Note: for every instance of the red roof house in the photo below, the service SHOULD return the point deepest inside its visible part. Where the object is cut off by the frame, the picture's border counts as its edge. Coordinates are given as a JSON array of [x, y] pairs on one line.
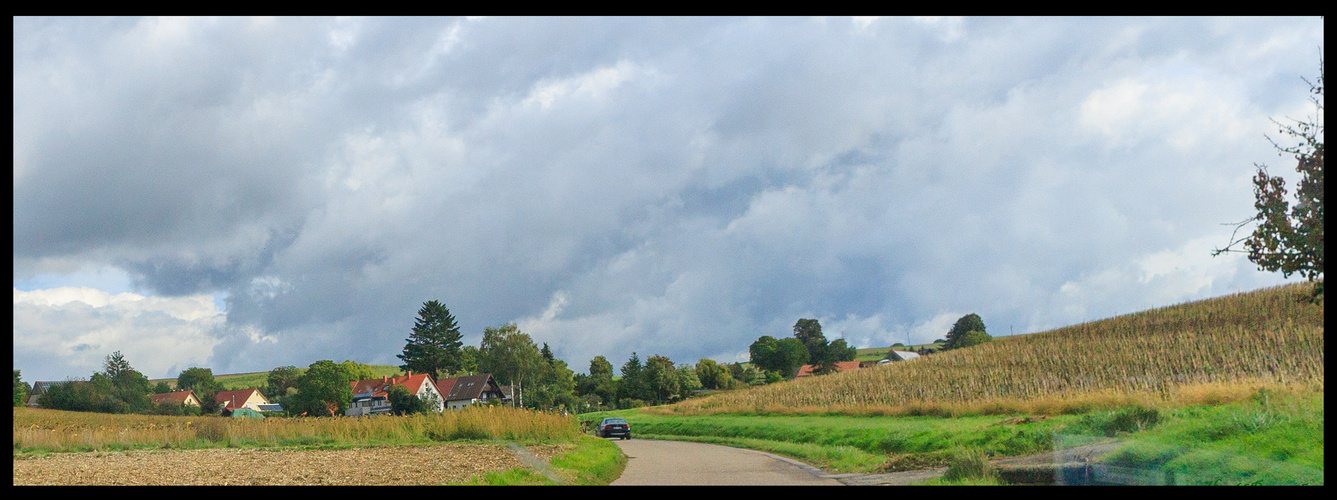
[[179, 397], [241, 398]]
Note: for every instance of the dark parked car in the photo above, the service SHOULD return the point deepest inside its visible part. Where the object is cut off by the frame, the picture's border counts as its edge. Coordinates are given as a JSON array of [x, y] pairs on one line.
[[612, 426]]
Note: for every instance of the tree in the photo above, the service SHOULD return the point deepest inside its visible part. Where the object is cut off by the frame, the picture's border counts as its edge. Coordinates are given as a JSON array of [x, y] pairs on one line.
[[1290, 238], [661, 377], [633, 384], [713, 375], [601, 377], [21, 389], [129, 390], [468, 360], [162, 387], [115, 364], [509, 355], [403, 402], [281, 384], [201, 380], [323, 390], [764, 352], [962, 326], [687, 381], [973, 338], [791, 355], [359, 371], [434, 346]]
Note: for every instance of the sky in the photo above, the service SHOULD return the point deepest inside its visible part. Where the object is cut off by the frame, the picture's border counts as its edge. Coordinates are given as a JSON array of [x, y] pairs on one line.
[[246, 193]]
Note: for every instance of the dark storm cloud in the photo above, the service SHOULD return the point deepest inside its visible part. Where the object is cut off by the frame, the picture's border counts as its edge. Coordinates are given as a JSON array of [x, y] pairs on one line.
[[674, 186]]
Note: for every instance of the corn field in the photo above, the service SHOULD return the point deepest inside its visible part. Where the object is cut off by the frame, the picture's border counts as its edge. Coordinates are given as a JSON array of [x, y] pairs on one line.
[[36, 429], [1201, 349]]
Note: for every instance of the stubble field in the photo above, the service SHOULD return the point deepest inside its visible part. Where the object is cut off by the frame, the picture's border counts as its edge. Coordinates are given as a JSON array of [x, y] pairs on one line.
[[397, 465]]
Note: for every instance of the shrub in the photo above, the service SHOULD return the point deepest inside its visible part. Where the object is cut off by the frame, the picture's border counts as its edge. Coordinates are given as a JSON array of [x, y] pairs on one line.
[[969, 464]]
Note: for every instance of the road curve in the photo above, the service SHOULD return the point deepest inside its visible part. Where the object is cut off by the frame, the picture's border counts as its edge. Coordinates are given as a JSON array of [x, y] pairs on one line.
[[652, 462]]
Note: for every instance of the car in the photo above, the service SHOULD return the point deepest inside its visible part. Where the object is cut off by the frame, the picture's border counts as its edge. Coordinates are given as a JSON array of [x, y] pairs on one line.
[[613, 426]]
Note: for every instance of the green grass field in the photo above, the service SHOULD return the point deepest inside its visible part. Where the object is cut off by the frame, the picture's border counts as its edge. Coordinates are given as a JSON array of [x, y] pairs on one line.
[[255, 380]]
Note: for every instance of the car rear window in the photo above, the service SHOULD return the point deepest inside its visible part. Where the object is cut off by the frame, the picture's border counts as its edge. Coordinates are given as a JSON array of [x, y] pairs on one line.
[[614, 421]]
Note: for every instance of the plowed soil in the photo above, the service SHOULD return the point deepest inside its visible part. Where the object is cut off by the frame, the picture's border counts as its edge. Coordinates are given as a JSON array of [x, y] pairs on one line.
[[403, 465]]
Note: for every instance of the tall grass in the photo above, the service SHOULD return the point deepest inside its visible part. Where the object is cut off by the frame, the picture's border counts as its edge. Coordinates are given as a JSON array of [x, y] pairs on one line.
[[1223, 348], [50, 430]]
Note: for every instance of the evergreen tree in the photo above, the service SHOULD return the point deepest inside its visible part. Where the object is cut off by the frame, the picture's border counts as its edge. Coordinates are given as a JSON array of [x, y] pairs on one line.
[[434, 347]]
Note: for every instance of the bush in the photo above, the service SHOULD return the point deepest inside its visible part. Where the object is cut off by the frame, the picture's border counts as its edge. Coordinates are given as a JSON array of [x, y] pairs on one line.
[[969, 464]]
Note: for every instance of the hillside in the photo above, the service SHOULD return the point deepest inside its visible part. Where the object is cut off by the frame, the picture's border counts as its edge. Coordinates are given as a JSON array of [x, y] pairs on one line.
[[232, 381], [1194, 350]]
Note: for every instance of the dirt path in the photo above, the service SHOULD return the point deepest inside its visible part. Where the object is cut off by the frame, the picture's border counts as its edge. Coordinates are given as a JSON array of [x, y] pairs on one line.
[[652, 462]]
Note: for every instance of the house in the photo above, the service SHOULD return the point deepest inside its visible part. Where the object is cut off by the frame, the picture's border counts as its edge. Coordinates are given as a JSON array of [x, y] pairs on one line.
[[39, 388], [180, 397], [508, 393], [841, 366], [471, 389], [241, 398], [372, 396], [899, 356]]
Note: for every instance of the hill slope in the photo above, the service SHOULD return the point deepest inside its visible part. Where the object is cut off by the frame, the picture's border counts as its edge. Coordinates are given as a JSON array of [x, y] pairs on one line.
[[1269, 336]]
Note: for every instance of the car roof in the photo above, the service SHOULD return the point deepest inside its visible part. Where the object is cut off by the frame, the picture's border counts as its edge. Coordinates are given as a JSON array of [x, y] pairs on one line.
[[614, 419]]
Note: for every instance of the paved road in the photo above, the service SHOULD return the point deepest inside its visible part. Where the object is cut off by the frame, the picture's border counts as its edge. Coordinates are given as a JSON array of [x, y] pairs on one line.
[[653, 462]]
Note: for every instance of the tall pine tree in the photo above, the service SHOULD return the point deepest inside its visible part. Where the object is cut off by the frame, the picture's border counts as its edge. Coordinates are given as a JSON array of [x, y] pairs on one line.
[[435, 345]]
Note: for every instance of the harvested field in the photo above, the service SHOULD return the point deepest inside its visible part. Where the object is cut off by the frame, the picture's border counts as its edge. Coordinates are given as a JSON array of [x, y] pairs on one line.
[[401, 465]]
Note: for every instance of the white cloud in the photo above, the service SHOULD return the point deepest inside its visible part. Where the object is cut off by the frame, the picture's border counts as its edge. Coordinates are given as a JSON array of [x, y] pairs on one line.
[[67, 332]]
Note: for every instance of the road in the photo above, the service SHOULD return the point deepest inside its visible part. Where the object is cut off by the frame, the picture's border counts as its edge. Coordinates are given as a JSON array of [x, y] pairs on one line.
[[682, 463]]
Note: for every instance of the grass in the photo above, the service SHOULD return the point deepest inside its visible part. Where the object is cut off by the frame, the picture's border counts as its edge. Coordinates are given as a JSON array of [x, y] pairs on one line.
[[839, 443], [255, 380], [593, 462], [50, 431], [1276, 437]]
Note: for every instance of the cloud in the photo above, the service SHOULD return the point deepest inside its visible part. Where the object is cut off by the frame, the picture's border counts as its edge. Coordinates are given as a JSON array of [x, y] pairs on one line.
[[67, 332], [674, 186]]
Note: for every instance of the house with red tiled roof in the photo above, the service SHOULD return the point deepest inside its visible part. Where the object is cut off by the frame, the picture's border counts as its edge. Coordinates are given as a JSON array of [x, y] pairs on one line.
[[371, 396], [178, 397], [241, 398], [470, 389], [841, 366]]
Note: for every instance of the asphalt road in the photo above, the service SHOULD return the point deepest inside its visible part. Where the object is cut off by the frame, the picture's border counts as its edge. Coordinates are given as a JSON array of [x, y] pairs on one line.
[[682, 463]]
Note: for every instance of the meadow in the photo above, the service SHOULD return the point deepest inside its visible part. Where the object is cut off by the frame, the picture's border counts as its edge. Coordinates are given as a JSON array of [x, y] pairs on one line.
[[37, 430]]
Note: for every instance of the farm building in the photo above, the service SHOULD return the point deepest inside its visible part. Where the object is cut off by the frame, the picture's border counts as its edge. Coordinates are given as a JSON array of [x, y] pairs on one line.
[[841, 366], [898, 356], [464, 391], [39, 388], [241, 398], [371, 396], [180, 397]]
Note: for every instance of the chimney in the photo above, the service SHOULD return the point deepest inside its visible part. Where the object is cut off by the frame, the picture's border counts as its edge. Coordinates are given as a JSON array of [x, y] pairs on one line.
[[384, 379], [410, 373]]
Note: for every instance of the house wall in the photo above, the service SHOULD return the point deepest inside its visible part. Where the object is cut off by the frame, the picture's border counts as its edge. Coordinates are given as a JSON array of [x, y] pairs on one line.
[[429, 390]]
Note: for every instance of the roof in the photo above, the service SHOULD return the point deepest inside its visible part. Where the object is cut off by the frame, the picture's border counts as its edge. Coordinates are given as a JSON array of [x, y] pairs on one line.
[[175, 397], [902, 355], [841, 366], [234, 399], [468, 387], [380, 387]]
